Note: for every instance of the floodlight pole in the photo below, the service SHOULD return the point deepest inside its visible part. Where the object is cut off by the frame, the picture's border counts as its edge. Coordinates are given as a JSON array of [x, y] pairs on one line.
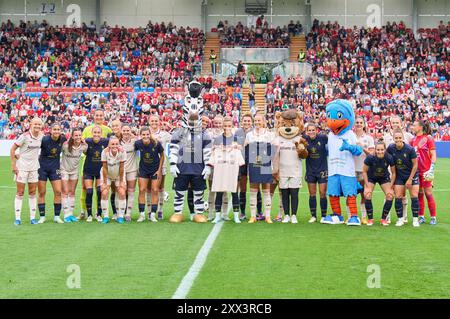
[[97, 14], [308, 15], [415, 17]]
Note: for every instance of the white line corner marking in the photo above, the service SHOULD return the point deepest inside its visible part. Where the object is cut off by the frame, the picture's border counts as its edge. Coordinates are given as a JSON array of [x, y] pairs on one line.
[[188, 280]]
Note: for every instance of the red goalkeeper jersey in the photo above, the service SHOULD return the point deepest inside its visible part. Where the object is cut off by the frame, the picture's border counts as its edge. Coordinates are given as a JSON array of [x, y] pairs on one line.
[[423, 145]]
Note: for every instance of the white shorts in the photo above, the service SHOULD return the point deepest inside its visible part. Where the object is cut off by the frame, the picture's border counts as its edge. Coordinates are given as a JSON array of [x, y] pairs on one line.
[[131, 176], [26, 177], [290, 182], [69, 176]]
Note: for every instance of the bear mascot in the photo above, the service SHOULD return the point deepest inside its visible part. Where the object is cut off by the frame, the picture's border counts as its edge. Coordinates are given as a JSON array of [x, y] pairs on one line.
[[287, 168]]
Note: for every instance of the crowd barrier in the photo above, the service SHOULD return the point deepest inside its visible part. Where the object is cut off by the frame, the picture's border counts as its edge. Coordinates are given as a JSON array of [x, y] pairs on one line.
[[442, 148]]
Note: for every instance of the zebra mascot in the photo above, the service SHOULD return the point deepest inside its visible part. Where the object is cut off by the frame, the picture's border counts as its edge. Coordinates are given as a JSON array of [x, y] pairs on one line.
[[190, 150]]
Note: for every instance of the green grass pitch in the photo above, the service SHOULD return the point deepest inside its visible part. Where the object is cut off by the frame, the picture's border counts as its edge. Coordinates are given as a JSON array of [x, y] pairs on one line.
[[247, 261]]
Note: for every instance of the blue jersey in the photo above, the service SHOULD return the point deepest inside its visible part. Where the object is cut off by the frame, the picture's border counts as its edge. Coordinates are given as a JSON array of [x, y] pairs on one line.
[[93, 162], [379, 167], [150, 156], [49, 159], [402, 159], [316, 162], [190, 153]]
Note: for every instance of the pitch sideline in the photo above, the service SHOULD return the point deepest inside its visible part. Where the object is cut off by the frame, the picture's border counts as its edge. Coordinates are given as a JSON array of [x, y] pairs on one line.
[[188, 280]]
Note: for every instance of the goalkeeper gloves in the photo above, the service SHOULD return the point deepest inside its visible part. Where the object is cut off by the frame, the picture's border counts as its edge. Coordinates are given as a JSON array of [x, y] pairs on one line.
[[429, 175]]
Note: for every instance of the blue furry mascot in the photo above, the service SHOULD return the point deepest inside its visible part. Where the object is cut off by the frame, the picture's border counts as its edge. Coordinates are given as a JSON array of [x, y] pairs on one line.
[[190, 149], [341, 166]]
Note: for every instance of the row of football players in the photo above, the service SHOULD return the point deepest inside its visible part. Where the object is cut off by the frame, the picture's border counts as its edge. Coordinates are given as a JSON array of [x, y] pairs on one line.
[[400, 162], [110, 164], [39, 160]]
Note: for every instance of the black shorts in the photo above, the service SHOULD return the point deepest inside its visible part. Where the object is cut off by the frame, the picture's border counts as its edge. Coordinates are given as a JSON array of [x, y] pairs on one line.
[[49, 174], [321, 177], [184, 182], [379, 180], [399, 180], [91, 177], [148, 175]]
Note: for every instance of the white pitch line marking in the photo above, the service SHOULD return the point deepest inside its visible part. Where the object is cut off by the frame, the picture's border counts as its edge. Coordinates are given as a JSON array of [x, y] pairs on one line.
[[188, 280]]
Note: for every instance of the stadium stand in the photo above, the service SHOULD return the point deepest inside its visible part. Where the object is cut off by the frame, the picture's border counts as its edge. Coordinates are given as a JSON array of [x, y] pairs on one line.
[[62, 74]]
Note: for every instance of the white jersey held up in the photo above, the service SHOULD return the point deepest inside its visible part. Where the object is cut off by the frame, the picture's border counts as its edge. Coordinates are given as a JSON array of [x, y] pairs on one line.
[[226, 162]]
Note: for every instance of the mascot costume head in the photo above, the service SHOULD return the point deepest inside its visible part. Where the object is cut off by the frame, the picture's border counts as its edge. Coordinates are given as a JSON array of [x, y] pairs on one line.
[[342, 149], [340, 116], [193, 107], [190, 150], [289, 125]]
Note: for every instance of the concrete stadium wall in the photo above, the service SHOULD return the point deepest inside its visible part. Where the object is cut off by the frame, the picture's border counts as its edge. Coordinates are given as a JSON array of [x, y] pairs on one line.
[[234, 11], [127, 13], [54, 11], [139, 12], [363, 12], [189, 12], [432, 11]]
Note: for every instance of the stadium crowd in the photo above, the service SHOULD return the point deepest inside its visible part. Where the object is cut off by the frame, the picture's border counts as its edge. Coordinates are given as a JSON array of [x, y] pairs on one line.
[[132, 73], [383, 72], [259, 35]]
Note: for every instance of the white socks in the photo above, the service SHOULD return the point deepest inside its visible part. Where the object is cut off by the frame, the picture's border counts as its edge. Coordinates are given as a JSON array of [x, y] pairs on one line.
[[104, 203], [121, 207], [211, 204], [65, 205], [18, 206], [32, 201], [130, 202], [405, 207], [71, 204], [160, 200], [253, 200]]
